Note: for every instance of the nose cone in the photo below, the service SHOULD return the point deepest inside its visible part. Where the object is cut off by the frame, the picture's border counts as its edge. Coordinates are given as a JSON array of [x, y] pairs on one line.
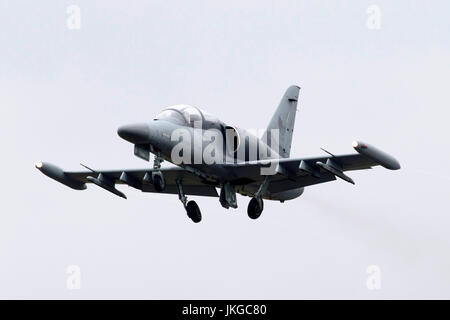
[[135, 133]]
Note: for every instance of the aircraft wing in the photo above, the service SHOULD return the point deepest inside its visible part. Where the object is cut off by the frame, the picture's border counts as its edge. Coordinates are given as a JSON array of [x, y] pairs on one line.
[[289, 173], [284, 174], [107, 179]]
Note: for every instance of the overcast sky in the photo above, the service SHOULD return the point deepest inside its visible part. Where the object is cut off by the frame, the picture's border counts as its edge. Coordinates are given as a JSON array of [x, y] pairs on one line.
[[64, 92]]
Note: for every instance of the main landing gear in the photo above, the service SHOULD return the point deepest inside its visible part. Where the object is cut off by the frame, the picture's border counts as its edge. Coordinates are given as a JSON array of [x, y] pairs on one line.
[[192, 209], [255, 208], [256, 205]]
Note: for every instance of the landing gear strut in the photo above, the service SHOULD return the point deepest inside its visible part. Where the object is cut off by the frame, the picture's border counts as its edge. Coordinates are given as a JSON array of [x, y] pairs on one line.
[[192, 209], [157, 177]]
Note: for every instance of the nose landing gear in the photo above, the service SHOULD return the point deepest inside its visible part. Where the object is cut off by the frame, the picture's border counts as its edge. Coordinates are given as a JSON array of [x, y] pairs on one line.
[[158, 181], [192, 209], [157, 177]]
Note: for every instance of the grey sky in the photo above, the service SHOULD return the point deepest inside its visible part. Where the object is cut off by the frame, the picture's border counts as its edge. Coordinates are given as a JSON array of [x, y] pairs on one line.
[[64, 93]]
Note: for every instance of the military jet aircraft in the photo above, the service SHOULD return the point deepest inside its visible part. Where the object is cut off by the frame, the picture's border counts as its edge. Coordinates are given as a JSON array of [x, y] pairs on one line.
[[244, 163]]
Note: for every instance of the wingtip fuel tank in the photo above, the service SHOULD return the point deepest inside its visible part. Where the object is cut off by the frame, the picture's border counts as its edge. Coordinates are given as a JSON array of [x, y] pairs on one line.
[[380, 157], [56, 173]]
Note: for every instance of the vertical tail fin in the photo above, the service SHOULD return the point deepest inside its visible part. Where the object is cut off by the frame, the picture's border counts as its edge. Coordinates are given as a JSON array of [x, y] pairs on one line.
[[283, 120]]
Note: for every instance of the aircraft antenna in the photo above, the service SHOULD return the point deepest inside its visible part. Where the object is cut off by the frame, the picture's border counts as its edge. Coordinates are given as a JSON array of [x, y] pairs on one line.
[[328, 152], [88, 168]]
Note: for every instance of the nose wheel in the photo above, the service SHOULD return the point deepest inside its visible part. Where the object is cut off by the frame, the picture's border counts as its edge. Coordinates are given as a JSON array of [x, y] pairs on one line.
[[192, 209], [158, 182], [255, 208]]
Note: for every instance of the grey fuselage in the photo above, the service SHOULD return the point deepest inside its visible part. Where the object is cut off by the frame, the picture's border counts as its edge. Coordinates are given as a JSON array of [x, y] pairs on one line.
[[161, 136]]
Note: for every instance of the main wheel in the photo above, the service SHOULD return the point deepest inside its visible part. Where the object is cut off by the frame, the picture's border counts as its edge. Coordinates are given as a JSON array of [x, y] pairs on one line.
[[255, 208], [158, 183], [193, 211]]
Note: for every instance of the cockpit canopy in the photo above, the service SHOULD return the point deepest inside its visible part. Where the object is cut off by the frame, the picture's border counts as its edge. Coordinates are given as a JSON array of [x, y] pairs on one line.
[[189, 116]]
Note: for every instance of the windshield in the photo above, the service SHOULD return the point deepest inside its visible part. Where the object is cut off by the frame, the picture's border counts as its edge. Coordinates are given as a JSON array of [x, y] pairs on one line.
[[189, 116], [171, 115], [182, 114]]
